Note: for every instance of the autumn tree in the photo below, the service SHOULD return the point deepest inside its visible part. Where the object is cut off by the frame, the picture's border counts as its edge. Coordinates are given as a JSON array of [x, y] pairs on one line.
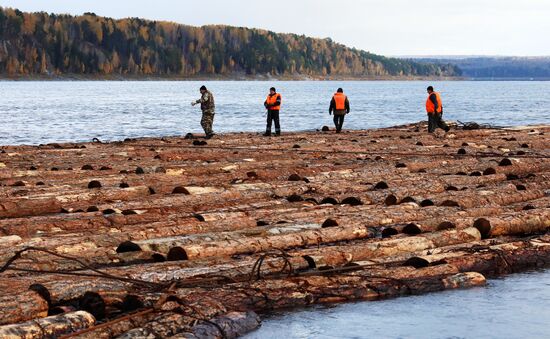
[[41, 43]]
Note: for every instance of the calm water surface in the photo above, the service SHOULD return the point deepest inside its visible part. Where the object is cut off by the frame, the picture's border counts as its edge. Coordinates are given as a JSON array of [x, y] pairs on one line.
[[41, 112], [517, 306]]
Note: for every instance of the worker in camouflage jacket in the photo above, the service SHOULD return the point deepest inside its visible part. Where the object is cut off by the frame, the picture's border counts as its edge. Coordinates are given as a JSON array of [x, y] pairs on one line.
[[208, 110]]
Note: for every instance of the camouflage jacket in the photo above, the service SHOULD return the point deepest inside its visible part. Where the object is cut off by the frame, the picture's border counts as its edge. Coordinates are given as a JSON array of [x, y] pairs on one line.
[[207, 101]]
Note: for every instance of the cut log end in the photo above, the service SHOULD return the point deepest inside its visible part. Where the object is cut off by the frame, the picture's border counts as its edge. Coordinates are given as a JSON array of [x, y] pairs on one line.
[[505, 162], [490, 171], [412, 229], [42, 291], [180, 190], [382, 185], [310, 261], [329, 200], [388, 232], [199, 217], [128, 246], [446, 225], [353, 201], [176, 254], [295, 198], [417, 262], [390, 200], [157, 257], [131, 303], [94, 304], [94, 184], [407, 200], [426, 203], [294, 177], [329, 223], [484, 227]]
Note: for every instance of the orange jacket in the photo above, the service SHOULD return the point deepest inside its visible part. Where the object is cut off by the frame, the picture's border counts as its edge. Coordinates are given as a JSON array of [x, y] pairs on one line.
[[430, 107], [272, 100], [340, 101]]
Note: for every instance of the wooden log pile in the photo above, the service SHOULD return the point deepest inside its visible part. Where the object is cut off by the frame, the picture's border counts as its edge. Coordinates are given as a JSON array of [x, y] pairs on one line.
[[163, 238]]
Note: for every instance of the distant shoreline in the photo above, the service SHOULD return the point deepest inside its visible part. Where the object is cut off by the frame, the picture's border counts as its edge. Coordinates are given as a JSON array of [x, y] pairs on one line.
[[79, 77]]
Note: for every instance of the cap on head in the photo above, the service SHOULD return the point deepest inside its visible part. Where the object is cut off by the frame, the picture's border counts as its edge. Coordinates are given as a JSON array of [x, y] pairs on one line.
[[203, 88], [340, 90], [430, 88], [273, 89]]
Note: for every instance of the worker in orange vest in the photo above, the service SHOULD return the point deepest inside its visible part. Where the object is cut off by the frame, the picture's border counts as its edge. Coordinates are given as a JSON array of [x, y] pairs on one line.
[[434, 107], [273, 105], [339, 105]]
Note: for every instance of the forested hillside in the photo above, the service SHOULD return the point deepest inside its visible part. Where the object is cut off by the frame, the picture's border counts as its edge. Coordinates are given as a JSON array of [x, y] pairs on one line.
[[55, 45], [499, 67]]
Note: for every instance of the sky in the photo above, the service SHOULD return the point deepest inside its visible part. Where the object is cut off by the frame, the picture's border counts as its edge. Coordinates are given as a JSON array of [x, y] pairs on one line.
[[387, 27]]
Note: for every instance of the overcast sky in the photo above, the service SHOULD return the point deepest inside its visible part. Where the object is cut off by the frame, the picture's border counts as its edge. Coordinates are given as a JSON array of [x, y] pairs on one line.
[[389, 27]]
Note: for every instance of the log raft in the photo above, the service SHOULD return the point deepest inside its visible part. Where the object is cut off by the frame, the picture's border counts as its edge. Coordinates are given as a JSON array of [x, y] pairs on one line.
[[173, 238]]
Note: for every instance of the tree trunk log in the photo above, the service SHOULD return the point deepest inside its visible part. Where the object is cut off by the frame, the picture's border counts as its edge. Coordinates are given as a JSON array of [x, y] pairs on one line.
[[233, 325], [528, 222], [22, 307], [49, 327]]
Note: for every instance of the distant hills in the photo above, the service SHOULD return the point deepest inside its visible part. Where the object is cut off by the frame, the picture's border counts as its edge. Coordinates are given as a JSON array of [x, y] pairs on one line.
[[499, 68], [50, 45]]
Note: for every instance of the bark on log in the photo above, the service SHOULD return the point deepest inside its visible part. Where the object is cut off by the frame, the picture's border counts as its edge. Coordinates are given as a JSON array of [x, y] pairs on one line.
[[505, 258], [22, 307], [527, 222], [49, 327], [259, 244], [12, 208], [233, 325], [339, 255], [161, 323], [163, 245]]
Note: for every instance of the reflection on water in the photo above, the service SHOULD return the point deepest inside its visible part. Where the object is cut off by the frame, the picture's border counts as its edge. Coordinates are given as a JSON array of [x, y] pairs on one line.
[[517, 306], [41, 112]]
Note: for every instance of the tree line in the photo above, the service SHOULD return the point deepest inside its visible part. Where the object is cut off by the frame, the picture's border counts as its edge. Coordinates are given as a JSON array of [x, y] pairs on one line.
[[50, 44]]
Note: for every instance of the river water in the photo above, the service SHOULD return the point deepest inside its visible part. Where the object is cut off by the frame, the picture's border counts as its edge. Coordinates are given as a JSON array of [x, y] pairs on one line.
[[517, 306], [34, 112]]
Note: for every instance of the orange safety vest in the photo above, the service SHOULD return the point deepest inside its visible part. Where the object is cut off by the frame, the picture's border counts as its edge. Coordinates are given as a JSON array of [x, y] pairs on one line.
[[340, 100], [272, 99], [430, 107]]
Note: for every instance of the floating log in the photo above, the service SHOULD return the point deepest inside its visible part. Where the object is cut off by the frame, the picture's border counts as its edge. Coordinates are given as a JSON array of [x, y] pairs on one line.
[[258, 244], [253, 248], [37, 205], [164, 245], [49, 327], [227, 326], [527, 222], [338, 255], [22, 307]]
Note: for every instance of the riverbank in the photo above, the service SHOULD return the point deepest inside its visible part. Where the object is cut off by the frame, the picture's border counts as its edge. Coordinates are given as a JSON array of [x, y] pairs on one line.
[[171, 230]]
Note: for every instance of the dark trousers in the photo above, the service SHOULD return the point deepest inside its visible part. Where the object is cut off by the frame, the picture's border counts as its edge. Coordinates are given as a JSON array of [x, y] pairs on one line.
[[435, 121], [339, 121], [273, 116]]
